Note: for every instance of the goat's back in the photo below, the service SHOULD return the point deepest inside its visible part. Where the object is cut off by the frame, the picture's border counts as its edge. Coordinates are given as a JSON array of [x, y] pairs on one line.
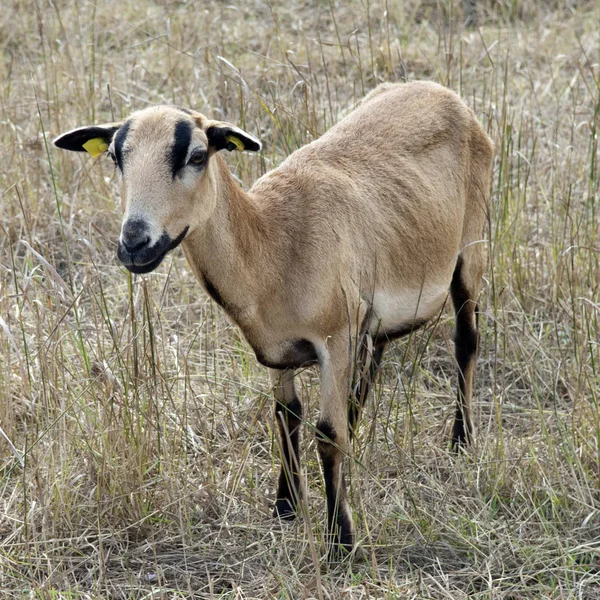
[[385, 194]]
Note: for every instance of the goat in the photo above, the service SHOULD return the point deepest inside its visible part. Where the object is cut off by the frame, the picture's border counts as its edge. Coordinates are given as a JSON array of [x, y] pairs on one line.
[[354, 240]]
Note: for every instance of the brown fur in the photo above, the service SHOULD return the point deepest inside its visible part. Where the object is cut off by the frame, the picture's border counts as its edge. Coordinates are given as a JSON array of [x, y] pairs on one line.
[[357, 233]]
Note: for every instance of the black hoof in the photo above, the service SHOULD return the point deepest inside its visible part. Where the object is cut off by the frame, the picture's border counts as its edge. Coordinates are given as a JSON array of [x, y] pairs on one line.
[[341, 544], [284, 510], [339, 552], [461, 438]]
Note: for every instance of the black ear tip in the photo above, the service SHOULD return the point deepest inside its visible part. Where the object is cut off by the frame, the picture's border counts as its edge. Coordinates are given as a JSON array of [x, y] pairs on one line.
[[68, 141], [255, 146], [65, 142]]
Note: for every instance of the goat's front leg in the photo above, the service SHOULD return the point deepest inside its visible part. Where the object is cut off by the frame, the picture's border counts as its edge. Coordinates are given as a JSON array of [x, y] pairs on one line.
[[333, 440], [288, 413]]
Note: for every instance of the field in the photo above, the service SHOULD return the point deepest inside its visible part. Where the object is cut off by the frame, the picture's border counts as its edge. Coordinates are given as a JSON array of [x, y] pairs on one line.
[[138, 454]]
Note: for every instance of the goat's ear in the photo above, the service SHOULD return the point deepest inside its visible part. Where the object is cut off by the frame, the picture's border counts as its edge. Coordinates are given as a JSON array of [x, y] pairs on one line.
[[95, 139], [225, 136]]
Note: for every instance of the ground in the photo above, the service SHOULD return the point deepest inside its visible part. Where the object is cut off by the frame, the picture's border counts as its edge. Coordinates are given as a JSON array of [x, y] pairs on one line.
[[138, 455]]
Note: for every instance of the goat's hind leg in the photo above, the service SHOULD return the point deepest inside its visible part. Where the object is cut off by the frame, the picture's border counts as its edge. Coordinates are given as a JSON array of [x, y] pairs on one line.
[[288, 413], [464, 289], [367, 361], [466, 281]]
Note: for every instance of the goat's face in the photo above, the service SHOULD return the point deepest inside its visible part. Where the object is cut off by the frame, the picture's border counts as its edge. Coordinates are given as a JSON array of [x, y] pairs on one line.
[[168, 181]]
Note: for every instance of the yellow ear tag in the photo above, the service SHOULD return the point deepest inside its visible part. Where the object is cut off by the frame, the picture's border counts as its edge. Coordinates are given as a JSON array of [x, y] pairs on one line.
[[96, 146], [236, 142]]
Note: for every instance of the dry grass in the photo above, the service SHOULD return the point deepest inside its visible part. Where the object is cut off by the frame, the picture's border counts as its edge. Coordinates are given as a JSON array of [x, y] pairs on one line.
[[143, 465]]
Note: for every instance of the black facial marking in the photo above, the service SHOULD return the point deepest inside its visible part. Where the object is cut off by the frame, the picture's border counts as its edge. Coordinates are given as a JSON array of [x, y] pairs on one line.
[[181, 143], [179, 238], [119, 141], [147, 258]]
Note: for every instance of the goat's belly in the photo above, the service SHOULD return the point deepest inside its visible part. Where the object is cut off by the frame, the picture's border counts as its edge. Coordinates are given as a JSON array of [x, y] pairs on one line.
[[397, 313]]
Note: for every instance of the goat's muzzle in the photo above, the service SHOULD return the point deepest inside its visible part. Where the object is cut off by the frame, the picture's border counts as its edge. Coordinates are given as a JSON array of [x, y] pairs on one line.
[[135, 253]]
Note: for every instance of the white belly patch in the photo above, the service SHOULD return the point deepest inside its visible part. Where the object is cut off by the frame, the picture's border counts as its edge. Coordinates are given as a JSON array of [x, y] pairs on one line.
[[394, 310]]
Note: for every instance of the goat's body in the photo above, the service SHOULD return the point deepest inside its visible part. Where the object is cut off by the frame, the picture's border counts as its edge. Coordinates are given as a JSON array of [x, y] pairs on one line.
[[330, 233], [355, 239]]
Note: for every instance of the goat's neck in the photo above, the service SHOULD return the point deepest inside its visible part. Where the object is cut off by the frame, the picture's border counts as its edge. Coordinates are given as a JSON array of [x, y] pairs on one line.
[[225, 252]]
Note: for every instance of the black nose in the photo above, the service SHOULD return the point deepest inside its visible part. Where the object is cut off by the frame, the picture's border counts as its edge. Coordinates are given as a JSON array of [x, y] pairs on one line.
[[134, 235]]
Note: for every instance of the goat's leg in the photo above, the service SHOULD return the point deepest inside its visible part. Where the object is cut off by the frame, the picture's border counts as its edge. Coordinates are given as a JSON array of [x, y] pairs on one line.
[[464, 289], [333, 439], [467, 278], [288, 413], [364, 378]]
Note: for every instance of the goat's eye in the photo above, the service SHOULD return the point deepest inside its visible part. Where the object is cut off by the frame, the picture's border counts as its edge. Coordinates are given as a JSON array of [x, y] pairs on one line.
[[112, 157], [198, 158]]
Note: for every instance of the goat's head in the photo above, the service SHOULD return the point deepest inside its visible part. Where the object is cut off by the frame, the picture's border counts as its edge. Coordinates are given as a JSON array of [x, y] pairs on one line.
[[168, 181]]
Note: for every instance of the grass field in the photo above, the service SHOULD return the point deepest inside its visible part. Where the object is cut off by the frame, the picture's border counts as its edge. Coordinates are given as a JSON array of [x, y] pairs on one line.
[[138, 456]]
